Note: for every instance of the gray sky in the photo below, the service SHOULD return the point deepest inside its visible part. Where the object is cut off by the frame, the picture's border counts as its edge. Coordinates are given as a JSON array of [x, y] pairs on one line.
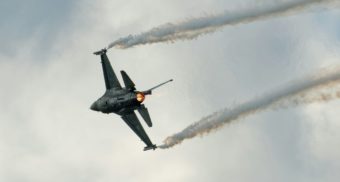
[[49, 79]]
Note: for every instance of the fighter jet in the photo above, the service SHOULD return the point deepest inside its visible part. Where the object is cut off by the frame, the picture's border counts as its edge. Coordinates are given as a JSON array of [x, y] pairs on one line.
[[124, 100]]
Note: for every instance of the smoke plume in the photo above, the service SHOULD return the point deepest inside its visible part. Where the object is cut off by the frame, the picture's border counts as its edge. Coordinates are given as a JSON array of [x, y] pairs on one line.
[[195, 27], [322, 88]]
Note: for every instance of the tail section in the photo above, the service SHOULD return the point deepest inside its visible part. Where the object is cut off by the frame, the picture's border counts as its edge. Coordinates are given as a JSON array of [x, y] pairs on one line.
[[143, 111], [127, 81]]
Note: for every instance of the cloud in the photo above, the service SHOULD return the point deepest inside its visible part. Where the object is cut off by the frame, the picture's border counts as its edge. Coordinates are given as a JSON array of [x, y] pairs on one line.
[[49, 134], [46, 18]]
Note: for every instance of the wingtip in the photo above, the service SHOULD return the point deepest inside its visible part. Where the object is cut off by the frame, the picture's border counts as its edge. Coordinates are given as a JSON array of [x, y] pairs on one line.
[[100, 52], [153, 147]]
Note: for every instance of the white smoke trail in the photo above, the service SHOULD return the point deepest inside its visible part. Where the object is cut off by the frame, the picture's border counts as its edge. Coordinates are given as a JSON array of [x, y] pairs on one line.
[[301, 92], [193, 28]]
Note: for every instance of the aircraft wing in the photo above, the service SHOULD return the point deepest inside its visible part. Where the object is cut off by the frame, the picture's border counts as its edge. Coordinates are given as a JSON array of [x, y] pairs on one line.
[[110, 77], [133, 122]]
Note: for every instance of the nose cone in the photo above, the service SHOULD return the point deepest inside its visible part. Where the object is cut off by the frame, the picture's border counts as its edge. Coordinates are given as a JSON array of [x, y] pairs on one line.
[[94, 107]]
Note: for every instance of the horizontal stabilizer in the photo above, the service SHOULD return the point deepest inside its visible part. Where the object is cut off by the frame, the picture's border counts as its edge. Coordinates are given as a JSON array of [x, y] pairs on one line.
[[143, 111], [127, 81], [150, 147]]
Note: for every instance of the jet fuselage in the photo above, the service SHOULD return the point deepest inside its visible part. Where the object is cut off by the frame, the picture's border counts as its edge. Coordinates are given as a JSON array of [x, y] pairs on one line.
[[124, 100], [118, 101]]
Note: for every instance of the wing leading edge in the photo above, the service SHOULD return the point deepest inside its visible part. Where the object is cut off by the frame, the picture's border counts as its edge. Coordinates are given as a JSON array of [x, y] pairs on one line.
[[132, 121]]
